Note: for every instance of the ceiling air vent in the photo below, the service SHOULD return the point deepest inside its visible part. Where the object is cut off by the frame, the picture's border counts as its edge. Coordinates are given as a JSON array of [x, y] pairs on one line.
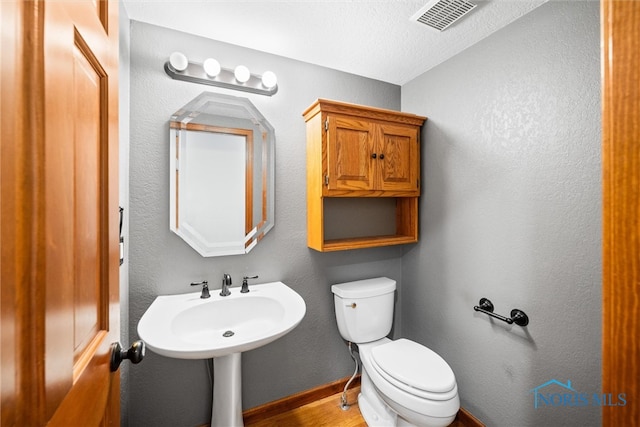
[[440, 14]]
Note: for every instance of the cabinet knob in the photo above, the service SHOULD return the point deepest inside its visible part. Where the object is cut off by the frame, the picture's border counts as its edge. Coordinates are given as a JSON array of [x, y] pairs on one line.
[[381, 156], [374, 155]]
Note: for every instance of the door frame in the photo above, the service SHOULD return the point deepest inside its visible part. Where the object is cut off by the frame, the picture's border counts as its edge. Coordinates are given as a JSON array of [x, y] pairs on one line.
[[620, 30]]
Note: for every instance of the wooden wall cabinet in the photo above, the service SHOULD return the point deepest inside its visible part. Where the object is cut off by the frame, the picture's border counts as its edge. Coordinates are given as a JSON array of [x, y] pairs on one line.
[[356, 151]]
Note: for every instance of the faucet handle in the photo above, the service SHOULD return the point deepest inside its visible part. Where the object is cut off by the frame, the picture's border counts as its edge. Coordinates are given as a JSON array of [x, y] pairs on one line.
[[205, 288], [245, 284]]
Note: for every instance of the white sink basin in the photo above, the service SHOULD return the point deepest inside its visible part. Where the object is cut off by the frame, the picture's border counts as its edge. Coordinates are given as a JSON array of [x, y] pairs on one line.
[[186, 326]]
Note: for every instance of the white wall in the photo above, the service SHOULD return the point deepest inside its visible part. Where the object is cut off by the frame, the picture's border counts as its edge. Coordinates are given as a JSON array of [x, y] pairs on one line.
[[123, 176], [511, 211], [171, 392]]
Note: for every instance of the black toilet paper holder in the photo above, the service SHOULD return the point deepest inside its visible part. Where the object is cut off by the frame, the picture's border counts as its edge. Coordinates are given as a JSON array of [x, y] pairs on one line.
[[517, 316]]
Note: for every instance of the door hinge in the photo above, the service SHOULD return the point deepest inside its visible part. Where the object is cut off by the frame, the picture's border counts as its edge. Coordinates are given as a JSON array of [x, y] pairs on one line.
[[326, 180], [326, 125], [418, 183]]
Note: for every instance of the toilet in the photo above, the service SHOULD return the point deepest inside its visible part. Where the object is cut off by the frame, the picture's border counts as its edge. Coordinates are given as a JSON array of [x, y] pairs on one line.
[[403, 383]]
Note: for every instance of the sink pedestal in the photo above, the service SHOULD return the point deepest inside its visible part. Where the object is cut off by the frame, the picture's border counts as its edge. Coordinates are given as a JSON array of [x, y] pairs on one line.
[[227, 391]]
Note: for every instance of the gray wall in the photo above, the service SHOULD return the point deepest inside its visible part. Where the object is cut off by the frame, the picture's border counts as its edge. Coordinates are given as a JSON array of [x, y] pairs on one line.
[[511, 211], [171, 392]]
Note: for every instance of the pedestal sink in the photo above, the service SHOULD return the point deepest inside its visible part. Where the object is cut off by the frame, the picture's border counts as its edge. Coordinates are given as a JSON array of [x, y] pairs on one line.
[[186, 326]]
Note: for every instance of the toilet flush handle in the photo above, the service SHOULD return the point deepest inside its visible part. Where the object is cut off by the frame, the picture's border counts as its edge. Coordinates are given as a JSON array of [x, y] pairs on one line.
[[352, 305]]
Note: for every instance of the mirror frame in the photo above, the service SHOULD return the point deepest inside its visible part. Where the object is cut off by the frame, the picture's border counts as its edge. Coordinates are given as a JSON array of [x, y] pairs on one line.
[[224, 114]]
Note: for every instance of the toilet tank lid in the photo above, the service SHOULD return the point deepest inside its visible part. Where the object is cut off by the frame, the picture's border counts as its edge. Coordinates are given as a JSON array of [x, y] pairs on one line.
[[364, 288]]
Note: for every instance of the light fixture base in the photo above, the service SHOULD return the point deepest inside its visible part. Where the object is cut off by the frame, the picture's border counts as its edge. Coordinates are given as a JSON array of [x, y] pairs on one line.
[[195, 73]]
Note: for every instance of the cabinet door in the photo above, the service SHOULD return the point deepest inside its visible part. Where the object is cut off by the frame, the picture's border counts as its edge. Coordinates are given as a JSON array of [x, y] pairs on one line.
[[349, 149], [397, 158]]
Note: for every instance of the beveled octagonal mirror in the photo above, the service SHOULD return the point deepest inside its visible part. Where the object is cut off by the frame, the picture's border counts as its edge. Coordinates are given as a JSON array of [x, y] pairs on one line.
[[221, 174]]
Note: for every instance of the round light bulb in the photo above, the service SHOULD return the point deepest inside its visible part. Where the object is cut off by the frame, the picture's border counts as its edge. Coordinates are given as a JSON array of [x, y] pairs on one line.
[[269, 79], [178, 61], [211, 67], [242, 74]]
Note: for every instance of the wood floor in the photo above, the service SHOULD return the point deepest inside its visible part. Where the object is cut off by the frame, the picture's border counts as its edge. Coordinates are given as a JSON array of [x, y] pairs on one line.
[[325, 412]]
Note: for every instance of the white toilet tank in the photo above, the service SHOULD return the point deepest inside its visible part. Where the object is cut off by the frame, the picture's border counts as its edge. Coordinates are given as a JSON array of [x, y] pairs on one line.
[[364, 308]]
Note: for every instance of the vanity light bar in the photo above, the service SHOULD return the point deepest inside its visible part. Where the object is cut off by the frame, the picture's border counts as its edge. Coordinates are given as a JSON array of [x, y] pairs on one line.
[[178, 67]]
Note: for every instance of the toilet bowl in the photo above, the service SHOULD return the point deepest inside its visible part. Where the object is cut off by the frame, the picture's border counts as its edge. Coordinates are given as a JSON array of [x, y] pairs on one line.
[[418, 385], [403, 382]]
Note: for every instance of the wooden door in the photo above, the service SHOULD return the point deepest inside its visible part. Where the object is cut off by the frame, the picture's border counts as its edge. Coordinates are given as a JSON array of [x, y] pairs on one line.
[[398, 159], [621, 210], [349, 153], [60, 256]]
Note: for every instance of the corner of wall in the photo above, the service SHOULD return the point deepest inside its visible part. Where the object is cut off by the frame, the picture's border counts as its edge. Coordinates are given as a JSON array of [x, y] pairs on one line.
[[123, 114]]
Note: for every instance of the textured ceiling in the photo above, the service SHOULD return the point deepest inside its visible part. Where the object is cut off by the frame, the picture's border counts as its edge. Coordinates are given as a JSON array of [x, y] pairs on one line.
[[371, 38]]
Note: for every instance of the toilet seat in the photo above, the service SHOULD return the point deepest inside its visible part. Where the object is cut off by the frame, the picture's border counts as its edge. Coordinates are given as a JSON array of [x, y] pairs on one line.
[[415, 369]]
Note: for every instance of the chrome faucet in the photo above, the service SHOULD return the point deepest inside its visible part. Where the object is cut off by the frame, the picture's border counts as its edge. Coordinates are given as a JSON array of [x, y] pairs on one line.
[[226, 282]]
